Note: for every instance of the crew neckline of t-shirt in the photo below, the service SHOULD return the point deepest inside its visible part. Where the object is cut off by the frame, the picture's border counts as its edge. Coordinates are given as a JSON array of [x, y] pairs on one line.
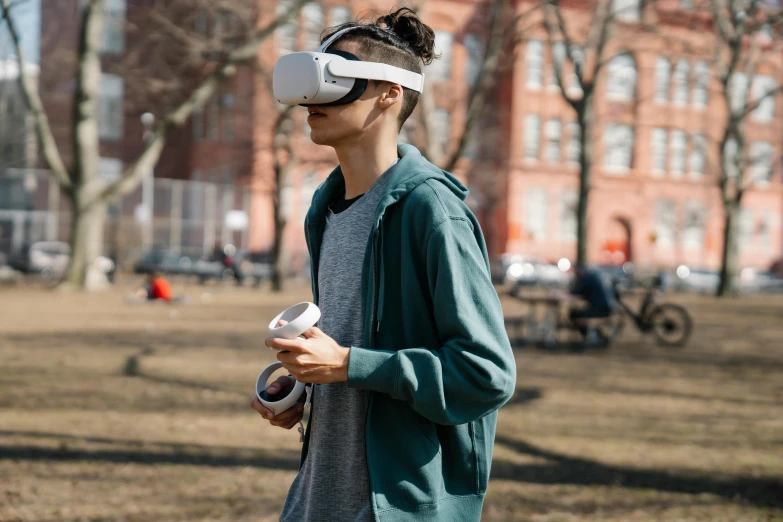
[[380, 182]]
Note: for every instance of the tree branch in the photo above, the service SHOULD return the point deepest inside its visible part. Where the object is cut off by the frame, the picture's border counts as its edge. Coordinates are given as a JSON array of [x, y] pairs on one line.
[[487, 78], [557, 64], [33, 101], [178, 116]]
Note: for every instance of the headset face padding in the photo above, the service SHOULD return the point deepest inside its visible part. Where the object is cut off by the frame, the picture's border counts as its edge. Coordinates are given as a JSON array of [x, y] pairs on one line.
[[359, 84]]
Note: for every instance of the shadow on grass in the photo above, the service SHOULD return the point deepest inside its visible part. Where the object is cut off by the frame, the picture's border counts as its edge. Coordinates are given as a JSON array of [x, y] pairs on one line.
[[147, 453], [565, 469]]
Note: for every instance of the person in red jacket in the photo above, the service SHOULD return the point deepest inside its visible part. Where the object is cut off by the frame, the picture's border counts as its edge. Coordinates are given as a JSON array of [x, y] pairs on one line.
[[159, 287]]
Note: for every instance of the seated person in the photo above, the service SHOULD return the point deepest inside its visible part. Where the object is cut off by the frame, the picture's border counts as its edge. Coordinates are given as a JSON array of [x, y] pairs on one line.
[[591, 287], [157, 289]]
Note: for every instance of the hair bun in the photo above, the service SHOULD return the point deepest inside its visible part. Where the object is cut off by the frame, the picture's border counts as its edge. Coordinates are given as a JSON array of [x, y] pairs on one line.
[[406, 24]]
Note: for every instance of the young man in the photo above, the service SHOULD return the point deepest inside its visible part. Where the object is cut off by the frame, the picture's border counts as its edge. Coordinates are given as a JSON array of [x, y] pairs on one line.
[[411, 359]]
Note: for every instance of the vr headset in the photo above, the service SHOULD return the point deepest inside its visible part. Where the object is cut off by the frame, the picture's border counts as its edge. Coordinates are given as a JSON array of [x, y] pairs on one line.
[[328, 77]]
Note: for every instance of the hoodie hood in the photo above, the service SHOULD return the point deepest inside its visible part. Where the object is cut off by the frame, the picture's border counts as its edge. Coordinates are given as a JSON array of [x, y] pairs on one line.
[[411, 170]]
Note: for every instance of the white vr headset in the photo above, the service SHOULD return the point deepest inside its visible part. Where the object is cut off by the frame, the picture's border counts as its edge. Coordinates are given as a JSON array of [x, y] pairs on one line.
[[333, 77]]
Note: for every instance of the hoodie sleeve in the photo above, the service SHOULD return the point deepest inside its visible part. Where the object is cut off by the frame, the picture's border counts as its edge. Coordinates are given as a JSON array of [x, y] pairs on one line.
[[473, 373]]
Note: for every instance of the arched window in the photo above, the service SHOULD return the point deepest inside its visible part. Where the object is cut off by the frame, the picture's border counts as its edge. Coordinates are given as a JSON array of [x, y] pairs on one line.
[[621, 76]]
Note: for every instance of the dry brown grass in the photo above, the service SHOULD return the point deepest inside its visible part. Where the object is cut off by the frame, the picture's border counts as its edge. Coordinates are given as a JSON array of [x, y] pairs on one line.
[[633, 434]]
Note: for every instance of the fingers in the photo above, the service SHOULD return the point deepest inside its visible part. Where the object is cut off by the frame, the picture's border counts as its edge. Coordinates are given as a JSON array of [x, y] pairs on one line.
[[286, 419], [283, 382], [293, 345], [311, 332], [261, 409]]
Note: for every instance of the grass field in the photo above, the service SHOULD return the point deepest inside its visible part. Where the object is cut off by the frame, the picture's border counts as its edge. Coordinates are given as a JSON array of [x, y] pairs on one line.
[[635, 433]]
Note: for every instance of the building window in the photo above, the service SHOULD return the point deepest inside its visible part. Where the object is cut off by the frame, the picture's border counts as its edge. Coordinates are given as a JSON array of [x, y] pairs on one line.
[[678, 146], [534, 62], [731, 156], [659, 145], [701, 82], [568, 208], [213, 119], [286, 33], [532, 136], [441, 67], [227, 102], [475, 54], [765, 231], [662, 76], [621, 76], [111, 114], [745, 228], [665, 223], [536, 216], [762, 87], [618, 144], [739, 90], [696, 158], [313, 24], [626, 10], [441, 121], [680, 78], [761, 154], [574, 142], [693, 226], [113, 41], [558, 60], [109, 169], [552, 134], [574, 86], [198, 125], [339, 15], [201, 24]]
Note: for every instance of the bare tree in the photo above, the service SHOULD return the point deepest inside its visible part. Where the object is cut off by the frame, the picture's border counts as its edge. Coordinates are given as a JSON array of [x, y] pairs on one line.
[[741, 47], [80, 182], [285, 162], [586, 57]]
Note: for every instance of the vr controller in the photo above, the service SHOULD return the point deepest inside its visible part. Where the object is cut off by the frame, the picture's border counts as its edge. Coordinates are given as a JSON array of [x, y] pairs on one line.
[[300, 318]]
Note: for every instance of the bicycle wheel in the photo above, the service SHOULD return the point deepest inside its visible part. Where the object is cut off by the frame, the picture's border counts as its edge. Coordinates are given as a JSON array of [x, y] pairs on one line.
[[671, 324]]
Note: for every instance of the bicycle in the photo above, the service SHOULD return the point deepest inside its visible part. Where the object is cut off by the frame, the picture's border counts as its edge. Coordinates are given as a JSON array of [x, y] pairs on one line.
[[669, 323]]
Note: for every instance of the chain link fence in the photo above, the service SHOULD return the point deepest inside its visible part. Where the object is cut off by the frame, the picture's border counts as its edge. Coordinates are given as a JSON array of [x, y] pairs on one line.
[[185, 217]]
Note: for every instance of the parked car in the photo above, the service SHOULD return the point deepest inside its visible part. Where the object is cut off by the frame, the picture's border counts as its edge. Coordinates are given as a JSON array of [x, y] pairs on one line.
[[696, 280], [623, 274], [251, 266], [49, 259], [537, 273], [755, 281], [165, 262]]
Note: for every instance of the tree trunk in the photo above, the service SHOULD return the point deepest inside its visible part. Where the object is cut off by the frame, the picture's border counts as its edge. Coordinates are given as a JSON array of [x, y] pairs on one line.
[[278, 261], [729, 272], [585, 120], [86, 246]]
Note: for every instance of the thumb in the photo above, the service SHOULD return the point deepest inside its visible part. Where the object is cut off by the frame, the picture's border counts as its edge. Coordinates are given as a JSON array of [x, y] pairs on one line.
[[282, 322]]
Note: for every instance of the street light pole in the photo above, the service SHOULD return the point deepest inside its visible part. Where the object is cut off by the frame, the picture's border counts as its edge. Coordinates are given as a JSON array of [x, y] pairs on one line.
[[147, 188]]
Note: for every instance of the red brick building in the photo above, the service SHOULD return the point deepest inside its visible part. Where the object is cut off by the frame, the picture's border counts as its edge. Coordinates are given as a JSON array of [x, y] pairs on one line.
[[660, 114]]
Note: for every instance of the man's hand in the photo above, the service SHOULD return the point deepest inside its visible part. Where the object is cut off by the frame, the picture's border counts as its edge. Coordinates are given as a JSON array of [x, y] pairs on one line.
[[316, 359], [288, 418]]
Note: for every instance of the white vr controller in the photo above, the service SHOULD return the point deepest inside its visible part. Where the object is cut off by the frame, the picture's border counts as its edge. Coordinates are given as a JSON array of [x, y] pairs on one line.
[[300, 318]]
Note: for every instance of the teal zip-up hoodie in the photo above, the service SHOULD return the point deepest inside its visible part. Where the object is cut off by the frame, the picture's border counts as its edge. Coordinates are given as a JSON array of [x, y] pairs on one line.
[[436, 362]]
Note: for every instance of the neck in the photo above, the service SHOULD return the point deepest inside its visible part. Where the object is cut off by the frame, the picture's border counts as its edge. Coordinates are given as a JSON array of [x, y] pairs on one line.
[[363, 163]]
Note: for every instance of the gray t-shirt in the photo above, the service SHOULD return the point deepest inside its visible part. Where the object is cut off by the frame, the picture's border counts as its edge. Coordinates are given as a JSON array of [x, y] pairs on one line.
[[333, 484]]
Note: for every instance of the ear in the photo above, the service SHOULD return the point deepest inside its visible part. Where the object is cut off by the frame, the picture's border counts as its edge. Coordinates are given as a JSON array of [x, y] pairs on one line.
[[391, 96]]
